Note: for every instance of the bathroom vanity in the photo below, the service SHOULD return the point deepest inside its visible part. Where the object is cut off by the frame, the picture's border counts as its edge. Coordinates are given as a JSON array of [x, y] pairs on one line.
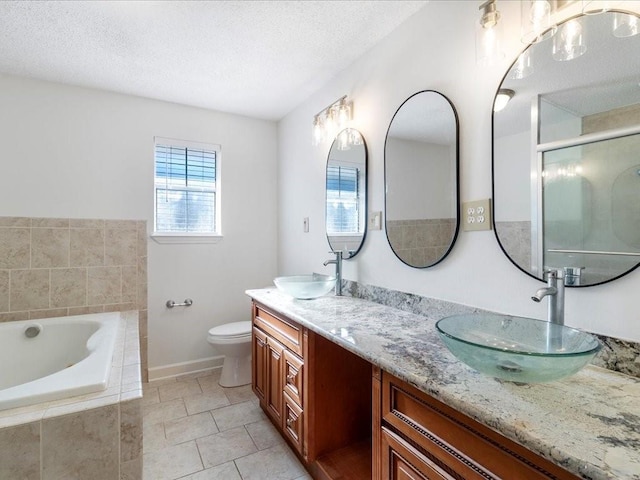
[[361, 390]]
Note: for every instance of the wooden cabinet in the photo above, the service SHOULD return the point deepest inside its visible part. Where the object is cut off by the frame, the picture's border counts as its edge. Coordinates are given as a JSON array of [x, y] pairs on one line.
[[316, 393], [424, 438]]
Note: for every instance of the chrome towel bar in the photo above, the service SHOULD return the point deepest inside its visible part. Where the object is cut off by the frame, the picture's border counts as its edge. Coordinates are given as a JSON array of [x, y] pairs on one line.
[[187, 303]]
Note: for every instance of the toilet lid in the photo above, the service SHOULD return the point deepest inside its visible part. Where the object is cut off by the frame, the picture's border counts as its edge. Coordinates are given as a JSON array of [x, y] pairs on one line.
[[234, 329]]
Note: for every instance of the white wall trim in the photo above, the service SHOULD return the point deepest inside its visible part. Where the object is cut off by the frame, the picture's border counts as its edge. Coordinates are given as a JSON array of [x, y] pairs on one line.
[[194, 366]]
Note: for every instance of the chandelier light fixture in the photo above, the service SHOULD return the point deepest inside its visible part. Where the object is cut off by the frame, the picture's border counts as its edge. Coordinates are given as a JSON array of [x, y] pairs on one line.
[[331, 120]]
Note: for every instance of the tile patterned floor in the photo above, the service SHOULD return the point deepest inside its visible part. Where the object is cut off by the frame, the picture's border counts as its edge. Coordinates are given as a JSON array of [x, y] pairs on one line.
[[196, 430]]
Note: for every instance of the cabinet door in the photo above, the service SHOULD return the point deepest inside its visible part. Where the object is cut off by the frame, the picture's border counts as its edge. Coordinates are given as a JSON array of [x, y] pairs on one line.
[[293, 376], [293, 422], [274, 378], [401, 461], [259, 359]]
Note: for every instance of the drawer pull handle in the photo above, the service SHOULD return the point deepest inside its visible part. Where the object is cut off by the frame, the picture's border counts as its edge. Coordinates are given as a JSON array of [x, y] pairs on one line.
[[291, 377], [290, 421]]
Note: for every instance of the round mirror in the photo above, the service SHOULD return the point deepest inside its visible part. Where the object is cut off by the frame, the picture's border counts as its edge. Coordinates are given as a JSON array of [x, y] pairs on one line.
[[421, 179], [346, 193], [566, 171]]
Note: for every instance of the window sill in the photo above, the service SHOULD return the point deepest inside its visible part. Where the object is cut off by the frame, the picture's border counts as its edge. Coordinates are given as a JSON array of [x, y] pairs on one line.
[[178, 238]]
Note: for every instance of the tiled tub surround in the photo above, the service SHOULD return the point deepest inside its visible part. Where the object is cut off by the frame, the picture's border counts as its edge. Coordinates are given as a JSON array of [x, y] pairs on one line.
[[408, 238], [96, 436], [69, 356], [53, 267], [588, 423]]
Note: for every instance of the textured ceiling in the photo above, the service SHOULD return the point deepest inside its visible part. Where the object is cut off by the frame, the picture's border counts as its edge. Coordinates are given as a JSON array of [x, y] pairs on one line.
[[255, 58]]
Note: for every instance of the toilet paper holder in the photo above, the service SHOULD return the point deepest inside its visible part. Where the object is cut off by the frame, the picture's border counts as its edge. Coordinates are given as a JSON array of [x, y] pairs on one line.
[[187, 303]]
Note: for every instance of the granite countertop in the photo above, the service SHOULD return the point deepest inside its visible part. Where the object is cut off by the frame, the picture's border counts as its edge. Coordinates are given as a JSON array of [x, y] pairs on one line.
[[588, 423]]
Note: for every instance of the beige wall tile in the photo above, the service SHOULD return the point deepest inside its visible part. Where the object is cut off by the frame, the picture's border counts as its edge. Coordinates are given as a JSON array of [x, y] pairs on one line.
[[15, 222], [142, 238], [142, 283], [48, 313], [130, 430], [4, 290], [121, 224], [29, 289], [49, 247], [120, 246], [86, 223], [85, 310], [87, 247], [14, 316], [82, 445], [20, 452], [120, 307], [15, 244], [131, 470], [103, 285], [50, 222], [129, 284], [68, 287]]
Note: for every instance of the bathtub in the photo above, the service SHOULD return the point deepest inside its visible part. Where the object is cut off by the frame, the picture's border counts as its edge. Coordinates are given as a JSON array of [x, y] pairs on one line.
[[68, 356]]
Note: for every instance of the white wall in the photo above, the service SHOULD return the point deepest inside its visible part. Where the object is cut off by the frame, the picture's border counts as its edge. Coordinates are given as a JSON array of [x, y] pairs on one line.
[[74, 152], [433, 50]]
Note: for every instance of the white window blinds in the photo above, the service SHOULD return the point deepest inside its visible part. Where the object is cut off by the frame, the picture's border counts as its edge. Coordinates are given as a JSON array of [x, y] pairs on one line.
[[186, 188], [343, 199]]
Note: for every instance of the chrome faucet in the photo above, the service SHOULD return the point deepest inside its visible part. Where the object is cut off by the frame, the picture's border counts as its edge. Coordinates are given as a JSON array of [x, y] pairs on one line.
[[338, 262], [555, 291]]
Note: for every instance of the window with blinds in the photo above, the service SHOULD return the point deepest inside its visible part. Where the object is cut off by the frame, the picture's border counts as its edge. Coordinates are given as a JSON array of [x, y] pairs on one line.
[[343, 200], [186, 188]]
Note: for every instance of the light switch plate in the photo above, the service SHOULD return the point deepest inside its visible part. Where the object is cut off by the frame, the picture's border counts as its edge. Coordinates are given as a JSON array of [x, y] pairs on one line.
[[305, 224], [476, 215], [375, 221]]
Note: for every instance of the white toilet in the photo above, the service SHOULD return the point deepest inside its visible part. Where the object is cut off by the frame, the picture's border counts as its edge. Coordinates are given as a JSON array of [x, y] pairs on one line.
[[234, 341]]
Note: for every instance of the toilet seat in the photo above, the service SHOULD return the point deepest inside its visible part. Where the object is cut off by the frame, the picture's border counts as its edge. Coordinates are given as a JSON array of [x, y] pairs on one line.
[[231, 330]]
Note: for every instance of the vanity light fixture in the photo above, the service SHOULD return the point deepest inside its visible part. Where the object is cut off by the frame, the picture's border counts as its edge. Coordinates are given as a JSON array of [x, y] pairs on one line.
[[488, 34], [569, 42], [502, 98], [535, 16], [331, 119], [625, 25], [593, 7], [523, 67]]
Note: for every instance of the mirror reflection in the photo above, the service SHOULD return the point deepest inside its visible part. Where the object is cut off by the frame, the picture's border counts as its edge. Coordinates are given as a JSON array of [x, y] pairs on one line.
[[346, 193], [566, 168], [421, 179]]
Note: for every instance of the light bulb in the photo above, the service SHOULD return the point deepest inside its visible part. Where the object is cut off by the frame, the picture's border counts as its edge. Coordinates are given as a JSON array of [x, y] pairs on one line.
[[569, 43], [344, 114], [536, 21], [317, 130], [523, 67], [625, 25]]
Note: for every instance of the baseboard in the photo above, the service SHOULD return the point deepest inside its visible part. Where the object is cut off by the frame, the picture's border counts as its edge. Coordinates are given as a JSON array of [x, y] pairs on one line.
[[194, 366]]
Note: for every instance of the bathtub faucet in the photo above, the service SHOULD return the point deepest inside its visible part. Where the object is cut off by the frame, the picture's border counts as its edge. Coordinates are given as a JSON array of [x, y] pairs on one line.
[[338, 263]]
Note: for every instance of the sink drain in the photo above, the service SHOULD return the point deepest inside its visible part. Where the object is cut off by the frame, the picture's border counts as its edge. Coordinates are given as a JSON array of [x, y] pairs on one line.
[[510, 367]]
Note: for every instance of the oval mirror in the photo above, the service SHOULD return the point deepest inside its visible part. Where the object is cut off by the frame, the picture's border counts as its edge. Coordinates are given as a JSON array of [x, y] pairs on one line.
[[421, 179], [346, 193], [566, 171]]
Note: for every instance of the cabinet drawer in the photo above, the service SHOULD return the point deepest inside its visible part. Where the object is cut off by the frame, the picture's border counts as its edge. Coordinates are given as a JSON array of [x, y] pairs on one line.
[[293, 422], [285, 331], [401, 461], [452, 439], [293, 376]]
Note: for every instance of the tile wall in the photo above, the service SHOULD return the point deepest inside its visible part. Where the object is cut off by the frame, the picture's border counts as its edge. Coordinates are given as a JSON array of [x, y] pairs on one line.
[[408, 238], [53, 267], [515, 237]]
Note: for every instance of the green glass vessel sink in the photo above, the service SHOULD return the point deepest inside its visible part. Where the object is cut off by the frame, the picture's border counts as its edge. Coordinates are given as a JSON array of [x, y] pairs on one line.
[[517, 349], [305, 287]]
